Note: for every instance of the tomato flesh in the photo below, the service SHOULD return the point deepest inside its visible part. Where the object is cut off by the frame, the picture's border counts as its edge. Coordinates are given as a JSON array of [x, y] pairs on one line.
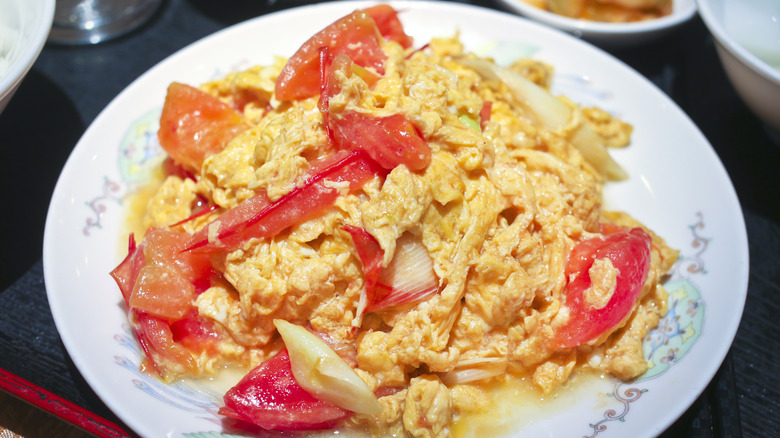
[[195, 125], [165, 247], [629, 252], [355, 35], [269, 397], [195, 333], [390, 141], [161, 291]]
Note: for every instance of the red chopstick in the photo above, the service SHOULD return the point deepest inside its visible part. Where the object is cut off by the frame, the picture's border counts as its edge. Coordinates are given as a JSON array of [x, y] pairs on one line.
[[58, 406]]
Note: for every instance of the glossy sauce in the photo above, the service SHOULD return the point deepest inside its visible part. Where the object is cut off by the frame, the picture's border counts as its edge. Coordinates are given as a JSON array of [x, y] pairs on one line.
[[516, 403], [135, 206]]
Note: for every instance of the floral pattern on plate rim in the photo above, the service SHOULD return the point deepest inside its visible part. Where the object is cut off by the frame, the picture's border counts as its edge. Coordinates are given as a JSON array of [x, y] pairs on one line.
[[140, 153]]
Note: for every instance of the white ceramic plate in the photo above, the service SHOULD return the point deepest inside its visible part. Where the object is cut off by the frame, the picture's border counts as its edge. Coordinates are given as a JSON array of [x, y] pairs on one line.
[[677, 187], [609, 34]]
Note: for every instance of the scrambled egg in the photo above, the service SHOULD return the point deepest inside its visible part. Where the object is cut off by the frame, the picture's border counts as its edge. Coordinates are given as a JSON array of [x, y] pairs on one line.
[[498, 209]]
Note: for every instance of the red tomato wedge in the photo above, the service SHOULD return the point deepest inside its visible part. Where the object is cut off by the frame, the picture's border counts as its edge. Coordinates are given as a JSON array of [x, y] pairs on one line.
[[156, 339], [164, 247], [270, 398], [195, 125], [409, 277], [159, 284], [195, 333], [257, 217], [629, 252], [386, 19], [355, 35], [390, 141]]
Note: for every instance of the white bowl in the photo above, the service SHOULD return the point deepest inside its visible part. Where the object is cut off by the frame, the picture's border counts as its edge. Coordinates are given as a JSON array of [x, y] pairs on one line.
[[747, 39], [611, 35], [24, 27]]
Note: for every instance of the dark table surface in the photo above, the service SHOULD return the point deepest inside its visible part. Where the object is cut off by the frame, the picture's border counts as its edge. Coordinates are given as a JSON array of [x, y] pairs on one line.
[[69, 86]]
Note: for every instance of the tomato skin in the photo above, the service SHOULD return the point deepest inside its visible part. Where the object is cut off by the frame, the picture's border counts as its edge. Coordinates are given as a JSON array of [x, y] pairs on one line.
[[371, 256], [355, 35], [195, 125], [269, 397], [386, 19], [330, 85], [368, 249], [629, 252], [127, 271]]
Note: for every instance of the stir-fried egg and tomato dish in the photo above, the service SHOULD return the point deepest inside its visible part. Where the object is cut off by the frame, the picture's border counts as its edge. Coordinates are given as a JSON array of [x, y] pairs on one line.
[[372, 231], [609, 11]]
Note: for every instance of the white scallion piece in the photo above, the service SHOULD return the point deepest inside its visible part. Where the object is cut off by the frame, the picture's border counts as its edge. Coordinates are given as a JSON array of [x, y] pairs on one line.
[[323, 374], [552, 114]]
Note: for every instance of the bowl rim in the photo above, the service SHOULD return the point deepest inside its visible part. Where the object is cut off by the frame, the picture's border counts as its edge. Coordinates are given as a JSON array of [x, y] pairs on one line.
[[734, 47], [679, 15], [19, 68]]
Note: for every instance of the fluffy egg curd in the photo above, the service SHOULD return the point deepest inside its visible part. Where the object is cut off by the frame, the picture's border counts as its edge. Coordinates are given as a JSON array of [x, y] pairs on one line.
[[376, 233]]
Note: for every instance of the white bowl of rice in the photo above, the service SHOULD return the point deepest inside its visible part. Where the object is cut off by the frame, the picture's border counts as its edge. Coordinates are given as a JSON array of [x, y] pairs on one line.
[[24, 27]]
